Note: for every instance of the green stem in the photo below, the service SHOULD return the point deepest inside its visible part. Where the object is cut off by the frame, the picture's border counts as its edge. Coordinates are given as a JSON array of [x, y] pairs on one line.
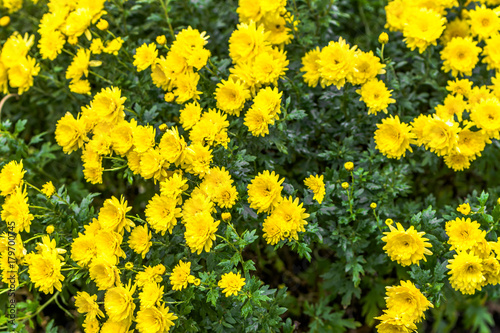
[[40, 309], [164, 5], [101, 77]]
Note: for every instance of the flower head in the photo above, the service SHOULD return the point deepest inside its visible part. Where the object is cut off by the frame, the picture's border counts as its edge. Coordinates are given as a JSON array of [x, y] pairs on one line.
[[408, 301], [393, 138], [155, 319], [317, 186], [145, 56], [466, 272], [112, 215], [264, 191], [406, 246], [231, 283], [463, 233], [119, 303], [181, 275], [11, 176]]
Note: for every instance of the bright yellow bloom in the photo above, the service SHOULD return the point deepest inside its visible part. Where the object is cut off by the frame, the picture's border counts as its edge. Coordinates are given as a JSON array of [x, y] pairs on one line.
[[161, 213], [484, 22], [11, 176], [198, 160], [112, 215], [408, 301], [102, 25], [455, 28], [264, 191], [392, 322], [336, 63], [108, 105], [349, 166], [200, 232], [113, 46], [464, 208], [317, 186], [45, 271], [458, 161], [460, 56], [486, 115], [150, 274], [376, 96], [79, 66], [140, 240], [407, 247], [104, 273], [310, 67], [366, 67], [459, 87], [51, 44], [21, 74], [492, 58], [422, 28], [70, 133], [466, 272], [383, 38], [48, 189], [247, 41], [15, 211], [393, 138], [87, 304], [345, 185], [145, 56], [463, 233], [181, 276], [293, 215], [4, 21], [151, 294], [119, 303], [155, 319], [83, 249], [231, 283], [231, 96]]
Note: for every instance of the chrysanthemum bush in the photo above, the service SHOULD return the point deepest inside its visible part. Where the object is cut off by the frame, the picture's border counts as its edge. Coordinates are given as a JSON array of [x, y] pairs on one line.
[[249, 166]]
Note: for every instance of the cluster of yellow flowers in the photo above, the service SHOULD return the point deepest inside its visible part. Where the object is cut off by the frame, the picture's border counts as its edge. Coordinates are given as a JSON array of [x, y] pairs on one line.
[[469, 117], [405, 306], [338, 63], [475, 263], [175, 73], [17, 68], [286, 217]]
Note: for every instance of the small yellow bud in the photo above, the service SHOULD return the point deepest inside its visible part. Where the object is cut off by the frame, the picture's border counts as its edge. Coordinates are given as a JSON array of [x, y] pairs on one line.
[[498, 201], [49, 229], [163, 127], [345, 185], [129, 265], [161, 39], [373, 205], [169, 97], [383, 38], [349, 166], [197, 282], [48, 189], [226, 216], [102, 25], [5, 20], [389, 222], [464, 209]]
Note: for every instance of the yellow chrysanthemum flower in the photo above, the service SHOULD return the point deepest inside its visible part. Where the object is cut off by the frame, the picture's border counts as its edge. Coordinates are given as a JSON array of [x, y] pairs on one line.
[[112, 215], [198, 160], [458, 161], [87, 304], [83, 249], [463, 233], [145, 56], [264, 191], [231, 96], [486, 115], [422, 28], [21, 74], [70, 133], [15, 211], [48, 189], [393, 138], [155, 319], [51, 44], [11, 176], [190, 115], [336, 63], [108, 105], [407, 247], [150, 274], [317, 186], [408, 301], [104, 272], [181, 276], [200, 232], [162, 213], [140, 240], [466, 272], [293, 215], [231, 283], [119, 303], [490, 52], [464, 208], [151, 294], [392, 322], [247, 41], [366, 67], [460, 56], [45, 271], [484, 22], [459, 87], [455, 28], [376, 96], [310, 67]]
